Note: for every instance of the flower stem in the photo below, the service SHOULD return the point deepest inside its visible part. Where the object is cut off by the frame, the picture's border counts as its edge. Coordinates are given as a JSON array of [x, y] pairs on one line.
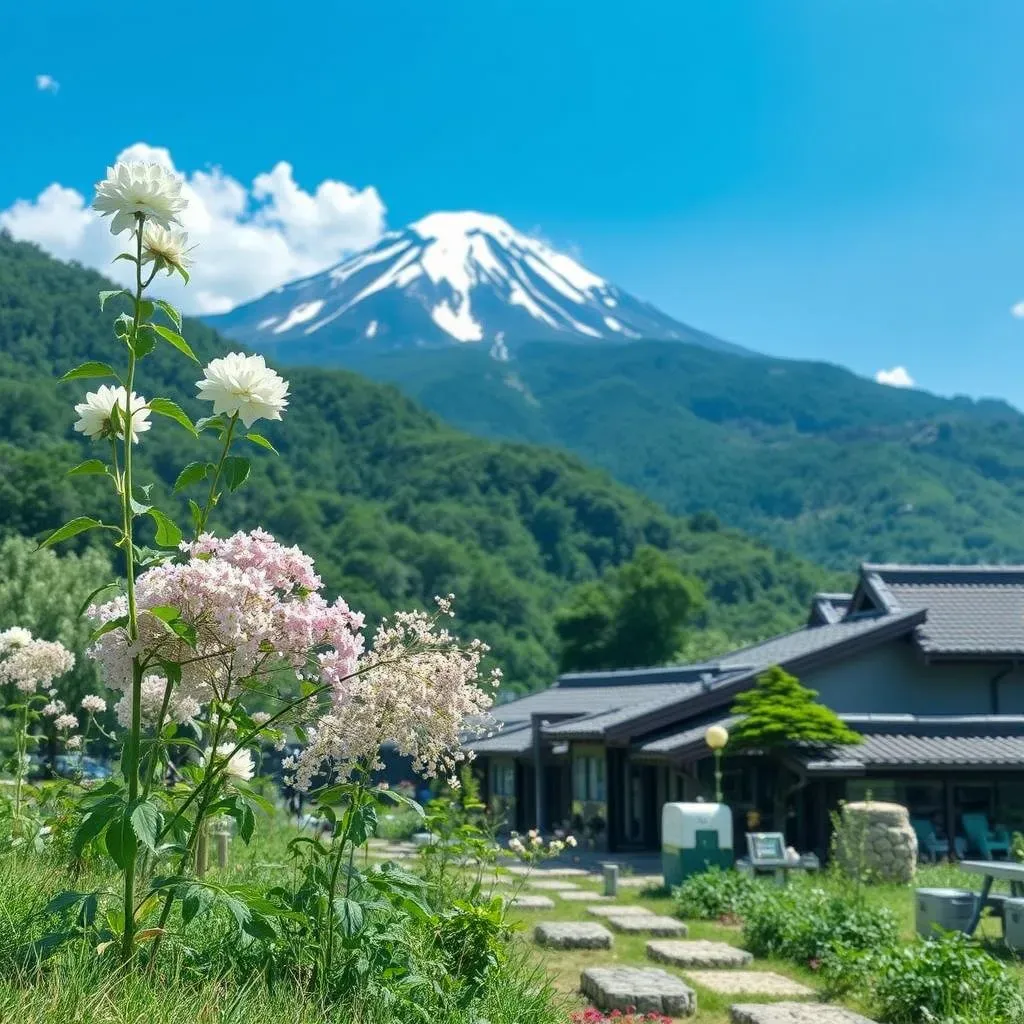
[[130, 761], [211, 498], [22, 754]]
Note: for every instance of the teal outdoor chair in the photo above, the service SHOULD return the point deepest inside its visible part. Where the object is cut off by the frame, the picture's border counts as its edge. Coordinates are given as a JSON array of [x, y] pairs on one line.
[[988, 843], [928, 842]]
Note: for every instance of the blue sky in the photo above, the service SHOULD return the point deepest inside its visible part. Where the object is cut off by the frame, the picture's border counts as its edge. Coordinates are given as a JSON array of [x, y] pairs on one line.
[[833, 179]]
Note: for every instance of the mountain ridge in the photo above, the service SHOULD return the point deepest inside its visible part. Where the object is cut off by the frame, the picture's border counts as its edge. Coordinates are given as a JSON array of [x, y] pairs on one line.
[[453, 277]]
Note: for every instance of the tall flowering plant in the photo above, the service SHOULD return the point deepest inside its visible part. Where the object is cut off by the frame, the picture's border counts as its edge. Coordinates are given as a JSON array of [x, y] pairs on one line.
[[217, 646]]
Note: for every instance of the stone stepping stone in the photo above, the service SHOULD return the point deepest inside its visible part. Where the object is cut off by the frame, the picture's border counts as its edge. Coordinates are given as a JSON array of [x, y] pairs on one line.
[[519, 869], [641, 989], [640, 881], [527, 902], [763, 983], [572, 935], [698, 953], [580, 896], [551, 884], [647, 924], [793, 1013], [618, 910]]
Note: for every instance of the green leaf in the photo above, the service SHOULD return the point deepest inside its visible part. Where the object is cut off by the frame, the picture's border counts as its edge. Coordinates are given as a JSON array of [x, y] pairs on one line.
[[166, 612], [71, 529], [196, 902], [192, 474], [260, 928], [120, 841], [246, 822], [96, 593], [138, 508], [89, 370], [197, 513], [146, 821], [144, 342], [211, 423], [236, 471], [238, 910], [175, 339], [172, 314], [124, 325], [108, 627], [125, 256], [88, 468], [262, 442], [168, 535], [63, 901], [105, 296], [173, 411], [362, 824], [349, 915]]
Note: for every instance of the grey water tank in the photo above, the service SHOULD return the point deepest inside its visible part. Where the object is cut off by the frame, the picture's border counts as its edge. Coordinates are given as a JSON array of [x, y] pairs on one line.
[[948, 909]]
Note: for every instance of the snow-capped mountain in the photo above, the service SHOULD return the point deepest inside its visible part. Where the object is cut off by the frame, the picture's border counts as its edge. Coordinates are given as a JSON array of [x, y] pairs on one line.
[[464, 277]]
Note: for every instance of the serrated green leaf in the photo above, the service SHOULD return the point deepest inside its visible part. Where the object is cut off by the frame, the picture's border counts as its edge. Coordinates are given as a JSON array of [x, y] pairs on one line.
[[108, 627], [63, 901], [175, 339], [146, 820], [166, 612], [197, 513], [172, 314], [138, 508], [145, 342], [192, 474], [88, 468], [236, 471], [71, 529], [173, 411], [120, 841], [349, 916], [90, 369], [125, 256], [105, 296], [168, 534], [196, 902], [261, 441], [96, 593], [210, 423]]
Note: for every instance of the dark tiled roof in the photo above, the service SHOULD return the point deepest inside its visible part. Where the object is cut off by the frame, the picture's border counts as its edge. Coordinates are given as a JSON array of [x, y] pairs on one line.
[[511, 740], [897, 750], [829, 608], [678, 741], [596, 725], [970, 609]]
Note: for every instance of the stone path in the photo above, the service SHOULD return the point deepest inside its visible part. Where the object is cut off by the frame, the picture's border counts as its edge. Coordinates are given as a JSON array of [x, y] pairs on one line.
[[579, 895], [698, 953], [518, 869], [640, 881], [618, 910], [527, 902], [573, 935], [552, 884], [762, 983], [793, 1013], [647, 924], [645, 989]]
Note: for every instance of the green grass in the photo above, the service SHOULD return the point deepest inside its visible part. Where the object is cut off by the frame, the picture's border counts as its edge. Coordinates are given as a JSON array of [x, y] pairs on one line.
[[564, 967]]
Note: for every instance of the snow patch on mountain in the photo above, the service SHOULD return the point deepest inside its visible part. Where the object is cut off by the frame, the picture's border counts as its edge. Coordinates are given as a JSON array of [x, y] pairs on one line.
[[457, 277]]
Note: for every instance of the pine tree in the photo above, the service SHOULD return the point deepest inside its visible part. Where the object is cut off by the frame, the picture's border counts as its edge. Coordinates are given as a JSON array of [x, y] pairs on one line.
[[778, 714]]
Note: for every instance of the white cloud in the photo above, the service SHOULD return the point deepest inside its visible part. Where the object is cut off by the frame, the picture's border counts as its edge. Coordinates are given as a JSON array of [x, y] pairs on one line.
[[248, 240], [1017, 309], [897, 377], [47, 83]]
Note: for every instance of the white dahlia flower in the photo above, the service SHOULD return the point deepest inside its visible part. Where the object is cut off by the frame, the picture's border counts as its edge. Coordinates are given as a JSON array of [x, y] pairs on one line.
[[134, 188], [13, 638], [240, 764], [245, 385], [166, 248], [96, 410]]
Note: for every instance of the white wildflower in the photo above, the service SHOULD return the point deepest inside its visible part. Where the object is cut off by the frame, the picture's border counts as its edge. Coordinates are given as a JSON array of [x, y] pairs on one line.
[[240, 764], [93, 705], [96, 410], [62, 722], [73, 743], [245, 385], [16, 636], [166, 248], [132, 188]]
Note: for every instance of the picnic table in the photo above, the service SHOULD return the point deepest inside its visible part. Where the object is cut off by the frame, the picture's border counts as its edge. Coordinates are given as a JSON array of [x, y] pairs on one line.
[[991, 871]]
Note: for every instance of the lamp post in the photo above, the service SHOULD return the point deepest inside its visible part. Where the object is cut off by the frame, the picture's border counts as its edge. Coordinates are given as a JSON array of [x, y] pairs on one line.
[[716, 738]]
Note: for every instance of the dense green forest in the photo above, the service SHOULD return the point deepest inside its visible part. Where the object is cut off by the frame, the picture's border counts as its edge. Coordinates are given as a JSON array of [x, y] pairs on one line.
[[806, 455], [394, 505]]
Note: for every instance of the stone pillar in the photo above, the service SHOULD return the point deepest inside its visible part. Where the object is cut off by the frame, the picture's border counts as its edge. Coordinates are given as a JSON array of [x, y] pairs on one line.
[[876, 840], [611, 879]]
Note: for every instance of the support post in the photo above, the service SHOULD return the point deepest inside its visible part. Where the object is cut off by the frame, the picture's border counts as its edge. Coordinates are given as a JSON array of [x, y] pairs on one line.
[[538, 775]]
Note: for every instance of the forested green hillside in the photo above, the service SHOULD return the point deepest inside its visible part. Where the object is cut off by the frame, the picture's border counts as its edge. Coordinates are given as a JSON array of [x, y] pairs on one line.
[[805, 455], [394, 505]]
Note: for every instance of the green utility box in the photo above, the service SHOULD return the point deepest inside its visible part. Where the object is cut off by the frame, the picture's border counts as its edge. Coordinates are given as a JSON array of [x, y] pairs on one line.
[[694, 837]]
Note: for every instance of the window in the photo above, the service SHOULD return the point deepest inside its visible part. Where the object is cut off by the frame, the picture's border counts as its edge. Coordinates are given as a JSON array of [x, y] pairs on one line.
[[588, 781], [503, 778]]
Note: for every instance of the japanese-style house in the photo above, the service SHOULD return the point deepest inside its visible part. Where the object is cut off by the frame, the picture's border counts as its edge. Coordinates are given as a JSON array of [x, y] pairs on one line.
[[925, 662]]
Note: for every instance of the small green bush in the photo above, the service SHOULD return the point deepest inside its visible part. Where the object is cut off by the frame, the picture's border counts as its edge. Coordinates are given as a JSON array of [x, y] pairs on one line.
[[713, 894], [948, 980], [804, 924]]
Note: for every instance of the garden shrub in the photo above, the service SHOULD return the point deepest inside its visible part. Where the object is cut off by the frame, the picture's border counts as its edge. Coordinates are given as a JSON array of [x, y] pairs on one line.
[[713, 894], [804, 923], [947, 980]]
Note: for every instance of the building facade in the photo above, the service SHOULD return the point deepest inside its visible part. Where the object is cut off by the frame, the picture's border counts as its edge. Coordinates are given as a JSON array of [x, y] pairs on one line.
[[926, 662]]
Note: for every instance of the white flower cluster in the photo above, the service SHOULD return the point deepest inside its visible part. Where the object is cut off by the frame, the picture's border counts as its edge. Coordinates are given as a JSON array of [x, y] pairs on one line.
[[182, 707], [533, 847], [93, 705], [27, 662], [417, 687]]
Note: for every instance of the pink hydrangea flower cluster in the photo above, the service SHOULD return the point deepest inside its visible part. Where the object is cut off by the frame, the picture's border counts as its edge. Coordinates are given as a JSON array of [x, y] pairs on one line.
[[28, 662], [253, 605], [182, 708], [417, 687]]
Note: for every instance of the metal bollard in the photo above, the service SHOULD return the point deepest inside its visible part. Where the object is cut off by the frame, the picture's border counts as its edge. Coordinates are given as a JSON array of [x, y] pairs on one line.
[[611, 879], [223, 839]]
